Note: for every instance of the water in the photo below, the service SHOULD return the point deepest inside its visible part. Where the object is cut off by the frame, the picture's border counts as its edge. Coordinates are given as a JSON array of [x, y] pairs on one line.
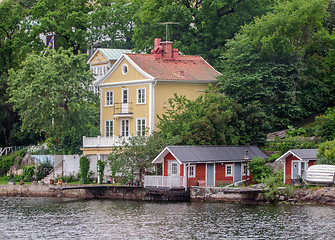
[[53, 218]]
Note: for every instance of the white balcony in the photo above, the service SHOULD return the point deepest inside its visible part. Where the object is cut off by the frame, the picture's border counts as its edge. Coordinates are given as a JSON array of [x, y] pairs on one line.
[[90, 142], [165, 181]]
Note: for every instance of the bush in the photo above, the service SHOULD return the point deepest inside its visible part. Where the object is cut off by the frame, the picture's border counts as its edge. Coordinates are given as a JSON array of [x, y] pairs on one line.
[[84, 166], [258, 169], [6, 162], [273, 182], [28, 172], [325, 125], [326, 153], [101, 168], [69, 178], [43, 170]]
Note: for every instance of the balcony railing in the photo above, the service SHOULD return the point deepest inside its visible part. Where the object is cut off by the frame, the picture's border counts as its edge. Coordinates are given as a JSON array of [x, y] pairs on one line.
[[121, 109], [103, 141], [165, 181]]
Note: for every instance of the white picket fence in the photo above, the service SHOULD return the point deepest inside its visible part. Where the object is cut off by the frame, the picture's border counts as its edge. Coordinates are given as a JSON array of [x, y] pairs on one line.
[[165, 181]]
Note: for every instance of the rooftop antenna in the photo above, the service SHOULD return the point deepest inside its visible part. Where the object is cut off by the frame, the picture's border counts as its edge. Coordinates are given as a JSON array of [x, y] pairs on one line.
[[166, 27]]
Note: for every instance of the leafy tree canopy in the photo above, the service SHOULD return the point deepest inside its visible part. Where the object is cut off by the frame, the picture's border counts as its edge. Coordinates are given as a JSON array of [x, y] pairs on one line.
[[136, 155], [16, 41], [270, 62], [111, 23], [68, 20], [211, 119], [325, 125], [326, 153], [203, 26], [51, 95]]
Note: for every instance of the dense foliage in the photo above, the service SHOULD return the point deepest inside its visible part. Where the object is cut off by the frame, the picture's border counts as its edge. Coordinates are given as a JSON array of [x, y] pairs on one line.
[[277, 59], [84, 166], [211, 119], [43, 169], [325, 125], [135, 155], [326, 153], [282, 62], [101, 169], [258, 169], [51, 95]]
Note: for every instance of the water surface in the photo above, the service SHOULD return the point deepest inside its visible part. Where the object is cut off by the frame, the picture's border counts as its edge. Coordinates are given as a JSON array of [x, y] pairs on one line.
[[54, 218]]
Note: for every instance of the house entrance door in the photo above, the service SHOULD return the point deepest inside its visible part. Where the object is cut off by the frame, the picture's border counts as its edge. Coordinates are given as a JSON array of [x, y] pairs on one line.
[[295, 170], [237, 172], [210, 181]]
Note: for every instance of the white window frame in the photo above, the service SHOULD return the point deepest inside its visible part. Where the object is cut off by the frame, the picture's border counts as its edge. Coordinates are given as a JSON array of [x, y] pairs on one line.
[[174, 168], [110, 125], [122, 96], [231, 170], [123, 131], [243, 170], [191, 171], [300, 170], [141, 96], [125, 69], [109, 100], [140, 129]]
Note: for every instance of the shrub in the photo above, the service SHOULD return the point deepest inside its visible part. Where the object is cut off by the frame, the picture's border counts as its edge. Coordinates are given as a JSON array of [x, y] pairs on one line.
[[258, 169], [28, 172], [6, 162], [326, 153], [325, 125], [101, 169], [84, 166], [43, 170], [273, 182]]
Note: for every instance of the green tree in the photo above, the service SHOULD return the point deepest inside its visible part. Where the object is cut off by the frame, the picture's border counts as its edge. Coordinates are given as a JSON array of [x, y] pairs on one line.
[[211, 119], [51, 95], [325, 125], [68, 20], [135, 155], [101, 169], [16, 41], [203, 26], [111, 23], [326, 153], [269, 62]]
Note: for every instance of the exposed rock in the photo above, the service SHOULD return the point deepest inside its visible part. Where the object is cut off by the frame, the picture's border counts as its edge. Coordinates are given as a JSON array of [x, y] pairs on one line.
[[27, 160], [325, 195]]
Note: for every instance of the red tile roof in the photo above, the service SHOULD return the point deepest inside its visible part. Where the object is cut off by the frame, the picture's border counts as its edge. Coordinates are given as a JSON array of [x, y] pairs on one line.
[[185, 68]]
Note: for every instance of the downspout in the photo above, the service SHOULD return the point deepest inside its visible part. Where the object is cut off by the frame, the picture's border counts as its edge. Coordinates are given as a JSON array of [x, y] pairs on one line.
[[152, 108]]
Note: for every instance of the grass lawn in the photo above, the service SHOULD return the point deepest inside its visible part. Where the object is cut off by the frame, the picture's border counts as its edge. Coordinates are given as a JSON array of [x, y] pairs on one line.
[[3, 182]]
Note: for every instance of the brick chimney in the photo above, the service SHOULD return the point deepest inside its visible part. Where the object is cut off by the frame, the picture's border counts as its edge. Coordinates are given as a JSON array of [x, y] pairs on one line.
[[164, 50]]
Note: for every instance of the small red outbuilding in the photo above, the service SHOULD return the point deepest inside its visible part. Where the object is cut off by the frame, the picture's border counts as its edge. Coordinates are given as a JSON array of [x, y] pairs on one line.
[[185, 166], [296, 161]]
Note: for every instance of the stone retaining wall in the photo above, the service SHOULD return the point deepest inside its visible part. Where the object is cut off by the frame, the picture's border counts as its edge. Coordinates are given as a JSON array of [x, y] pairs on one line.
[[97, 191], [217, 194], [41, 191]]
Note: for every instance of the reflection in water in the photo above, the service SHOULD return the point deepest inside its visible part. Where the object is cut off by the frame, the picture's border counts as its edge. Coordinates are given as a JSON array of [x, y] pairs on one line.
[[48, 218]]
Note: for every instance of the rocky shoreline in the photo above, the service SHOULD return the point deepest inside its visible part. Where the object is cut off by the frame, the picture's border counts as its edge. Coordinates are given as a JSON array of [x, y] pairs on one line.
[[324, 195]]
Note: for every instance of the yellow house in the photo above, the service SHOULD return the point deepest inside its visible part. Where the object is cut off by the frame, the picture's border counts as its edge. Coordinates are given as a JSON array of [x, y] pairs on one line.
[[102, 60], [137, 88]]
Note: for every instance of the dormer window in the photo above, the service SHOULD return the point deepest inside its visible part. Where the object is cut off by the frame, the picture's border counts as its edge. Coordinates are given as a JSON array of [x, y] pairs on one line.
[[125, 69]]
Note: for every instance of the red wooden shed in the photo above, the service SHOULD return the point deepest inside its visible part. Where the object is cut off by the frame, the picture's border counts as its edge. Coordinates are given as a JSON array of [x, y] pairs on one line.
[[185, 166], [296, 161]]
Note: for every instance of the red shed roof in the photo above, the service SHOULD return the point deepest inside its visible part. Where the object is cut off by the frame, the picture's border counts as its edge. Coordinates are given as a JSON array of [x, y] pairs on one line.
[[186, 67]]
